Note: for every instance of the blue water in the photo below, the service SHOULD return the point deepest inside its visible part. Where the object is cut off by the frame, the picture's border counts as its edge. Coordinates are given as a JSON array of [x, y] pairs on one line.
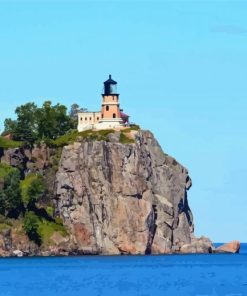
[[148, 275]]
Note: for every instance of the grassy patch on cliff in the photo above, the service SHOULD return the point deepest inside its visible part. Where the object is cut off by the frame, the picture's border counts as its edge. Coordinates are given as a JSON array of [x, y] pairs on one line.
[[123, 139], [74, 136], [6, 143], [98, 135], [47, 228], [40, 229], [133, 127], [4, 226]]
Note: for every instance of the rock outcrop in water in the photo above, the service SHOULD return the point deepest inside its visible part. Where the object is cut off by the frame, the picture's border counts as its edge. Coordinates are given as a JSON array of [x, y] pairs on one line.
[[231, 247], [113, 198]]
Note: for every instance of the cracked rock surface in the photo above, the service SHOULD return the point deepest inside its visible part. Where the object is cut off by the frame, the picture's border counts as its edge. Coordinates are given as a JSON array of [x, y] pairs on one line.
[[123, 198]]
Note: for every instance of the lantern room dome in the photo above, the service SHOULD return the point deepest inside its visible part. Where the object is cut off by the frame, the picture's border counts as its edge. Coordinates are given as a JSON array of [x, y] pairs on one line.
[[110, 87], [110, 81]]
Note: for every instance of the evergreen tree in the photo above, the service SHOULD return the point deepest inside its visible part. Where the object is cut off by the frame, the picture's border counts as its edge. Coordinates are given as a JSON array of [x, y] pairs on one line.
[[31, 226], [10, 197]]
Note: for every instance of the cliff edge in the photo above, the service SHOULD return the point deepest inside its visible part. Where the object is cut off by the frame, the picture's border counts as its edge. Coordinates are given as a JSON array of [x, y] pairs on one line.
[[124, 198]]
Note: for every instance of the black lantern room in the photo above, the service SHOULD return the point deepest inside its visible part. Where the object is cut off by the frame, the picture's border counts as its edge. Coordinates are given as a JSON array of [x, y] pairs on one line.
[[110, 87]]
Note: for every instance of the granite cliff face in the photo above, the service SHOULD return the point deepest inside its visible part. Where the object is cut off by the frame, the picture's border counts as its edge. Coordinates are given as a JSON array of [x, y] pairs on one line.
[[124, 198], [113, 198]]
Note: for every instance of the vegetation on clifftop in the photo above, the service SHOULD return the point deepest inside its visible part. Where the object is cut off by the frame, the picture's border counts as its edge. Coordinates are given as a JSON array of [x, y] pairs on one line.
[[50, 124], [74, 136], [24, 192], [35, 124], [6, 143]]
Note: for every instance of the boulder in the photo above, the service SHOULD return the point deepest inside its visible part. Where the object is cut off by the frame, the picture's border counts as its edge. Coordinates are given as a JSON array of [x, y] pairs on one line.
[[198, 245], [18, 253], [231, 247]]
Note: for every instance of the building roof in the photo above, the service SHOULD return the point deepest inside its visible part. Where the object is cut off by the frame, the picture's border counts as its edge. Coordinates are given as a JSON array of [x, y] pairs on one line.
[[110, 81], [123, 114], [85, 112]]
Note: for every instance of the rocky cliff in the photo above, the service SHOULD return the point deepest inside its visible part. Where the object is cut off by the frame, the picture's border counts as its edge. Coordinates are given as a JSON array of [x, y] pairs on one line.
[[124, 198], [116, 198]]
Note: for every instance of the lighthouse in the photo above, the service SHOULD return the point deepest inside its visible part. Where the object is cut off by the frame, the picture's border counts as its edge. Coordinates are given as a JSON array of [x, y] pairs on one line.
[[110, 109], [110, 116]]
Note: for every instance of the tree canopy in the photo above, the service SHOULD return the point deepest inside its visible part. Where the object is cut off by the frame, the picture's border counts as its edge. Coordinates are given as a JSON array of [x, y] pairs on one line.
[[47, 122]]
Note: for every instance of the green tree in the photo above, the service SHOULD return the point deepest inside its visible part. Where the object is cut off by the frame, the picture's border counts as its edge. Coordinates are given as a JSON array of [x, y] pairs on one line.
[[32, 189], [10, 197], [9, 126], [74, 110], [27, 124], [53, 121], [36, 124], [31, 226]]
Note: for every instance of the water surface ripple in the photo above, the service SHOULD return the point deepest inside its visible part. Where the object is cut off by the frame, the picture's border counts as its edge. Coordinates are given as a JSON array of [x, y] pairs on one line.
[[138, 275]]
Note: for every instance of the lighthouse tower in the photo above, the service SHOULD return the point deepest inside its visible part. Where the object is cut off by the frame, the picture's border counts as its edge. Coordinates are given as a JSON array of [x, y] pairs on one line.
[[110, 110], [110, 116]]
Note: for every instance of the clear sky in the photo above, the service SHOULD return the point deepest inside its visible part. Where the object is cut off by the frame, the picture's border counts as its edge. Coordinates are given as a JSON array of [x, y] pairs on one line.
[[181, 69]]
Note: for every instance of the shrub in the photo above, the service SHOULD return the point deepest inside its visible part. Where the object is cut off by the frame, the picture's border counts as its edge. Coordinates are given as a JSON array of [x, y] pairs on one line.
[[47, 228], [5, 169], [63, 140], [40, 229], [31, 226], [50, 211], [32, 188], [133, 127], [59, 220]]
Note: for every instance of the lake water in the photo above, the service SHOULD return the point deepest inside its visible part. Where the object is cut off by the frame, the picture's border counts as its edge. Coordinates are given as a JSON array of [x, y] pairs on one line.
[[124, 275]]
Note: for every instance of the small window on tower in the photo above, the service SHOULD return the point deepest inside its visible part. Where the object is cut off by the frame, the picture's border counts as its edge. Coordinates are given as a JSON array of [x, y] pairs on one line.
[[97, 118], [107, 108], [85, 118], [81, 118], [114, 115], [90, 118]]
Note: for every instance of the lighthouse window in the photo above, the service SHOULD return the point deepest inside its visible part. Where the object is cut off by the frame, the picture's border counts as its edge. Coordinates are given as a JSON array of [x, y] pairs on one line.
[[85, 118], [114, 115], [97, 118], [81, 118], [107, 108], [90, 118]]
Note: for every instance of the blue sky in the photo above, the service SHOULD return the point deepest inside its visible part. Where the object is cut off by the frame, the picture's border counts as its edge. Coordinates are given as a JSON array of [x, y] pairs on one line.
[[181, 68]]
